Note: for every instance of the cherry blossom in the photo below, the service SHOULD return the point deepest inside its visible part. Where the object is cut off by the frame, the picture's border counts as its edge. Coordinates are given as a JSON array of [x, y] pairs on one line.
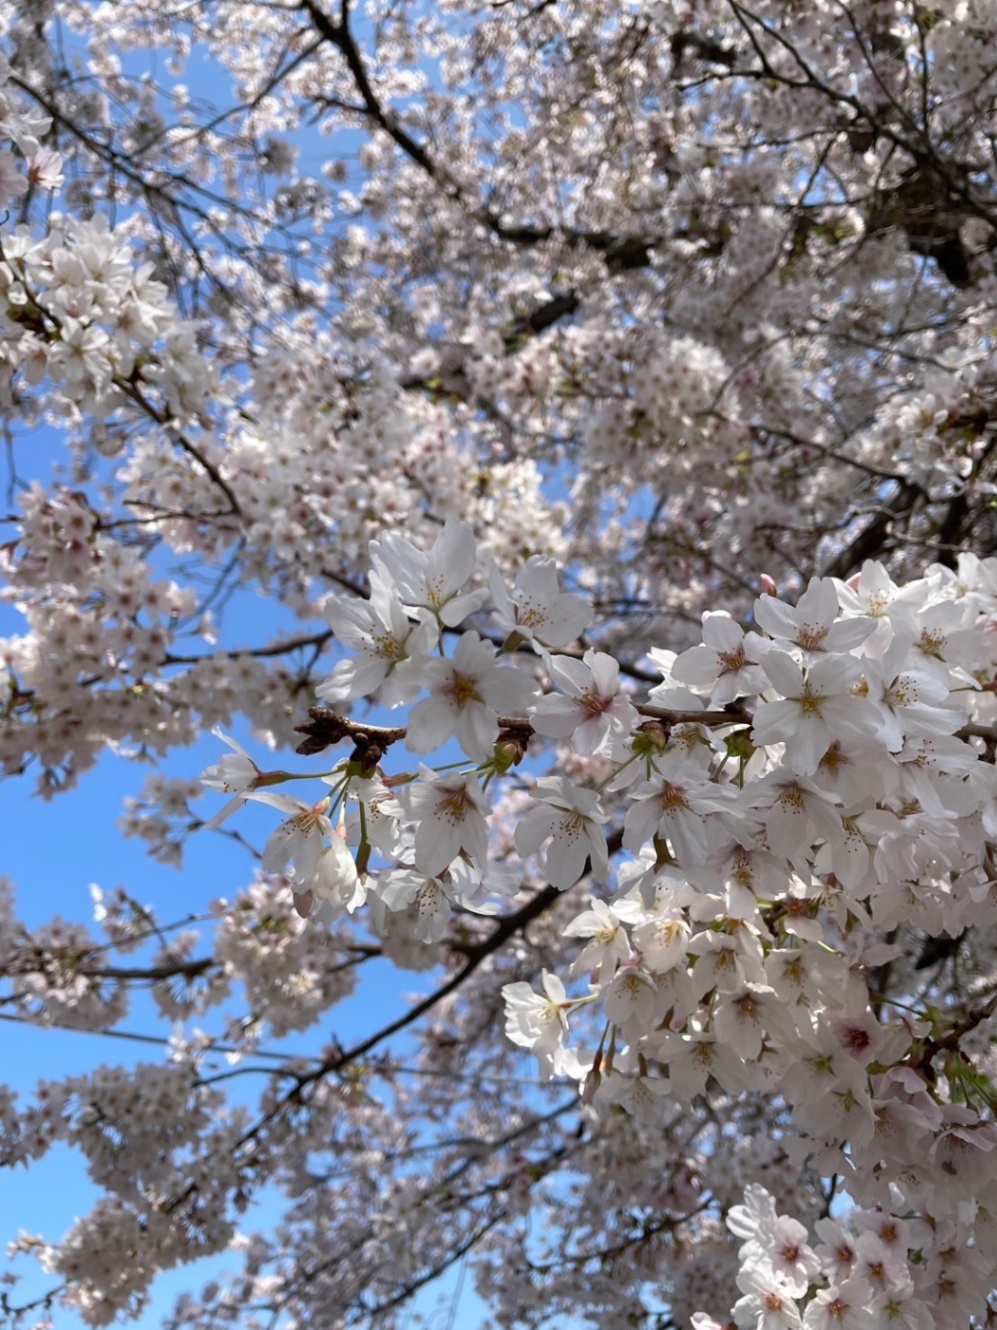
[[678, 809], [388, 648], [537, 1021], [609, 944], [301, 838], [815, 709], [236, 772], [592, 713], [469, 692], [572, 818], [431, 581], [812, 624], [335, 881], [537, 610], [451, 812], [726, 662], [570, 427]]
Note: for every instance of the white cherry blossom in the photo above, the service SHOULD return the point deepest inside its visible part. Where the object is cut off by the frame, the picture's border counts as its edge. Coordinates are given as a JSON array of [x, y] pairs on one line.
[[727, 662], [235, 772], [389, 649], [451, 812], [812, 625], [302, 838], [591, 711], [429, 897], [536, 609], [573, 819], [335, 880], [469, 692], [433, 581], [537, 1021], [609, 945], [677, 809], [817, 708]]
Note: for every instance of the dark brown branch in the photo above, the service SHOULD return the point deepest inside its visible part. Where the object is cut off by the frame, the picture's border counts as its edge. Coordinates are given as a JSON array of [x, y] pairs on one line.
[[258, 653], [870, 540], [474, 957], [326, 728]]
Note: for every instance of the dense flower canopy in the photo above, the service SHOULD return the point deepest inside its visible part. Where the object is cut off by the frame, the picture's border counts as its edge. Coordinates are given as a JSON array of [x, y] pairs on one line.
[[603, 399]]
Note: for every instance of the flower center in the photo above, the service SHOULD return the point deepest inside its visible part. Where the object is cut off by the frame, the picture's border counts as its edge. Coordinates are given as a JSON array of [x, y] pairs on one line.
[[462, 689], [811, 638], [673, 796]]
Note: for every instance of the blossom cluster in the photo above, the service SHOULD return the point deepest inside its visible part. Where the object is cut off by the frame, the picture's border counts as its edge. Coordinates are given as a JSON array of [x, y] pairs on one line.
[[858, 1275], [785, 796], [137, 1130], [25, 127], [160, 1143]]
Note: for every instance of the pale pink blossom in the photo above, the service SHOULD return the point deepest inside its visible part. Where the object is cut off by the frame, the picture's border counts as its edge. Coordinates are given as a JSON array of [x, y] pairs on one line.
[[302, 838], [433, 582], [812, 624], [844, 1307], [590, 711], [431, 899], [387, 649], [537, 610], [45, 169], [767, 1303], [608, 943], [235, 773], [335, 882], [537, 1021], [451, 811], [572, 818], [727, 662], [678, 809], [817, 708], [468, 694]]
